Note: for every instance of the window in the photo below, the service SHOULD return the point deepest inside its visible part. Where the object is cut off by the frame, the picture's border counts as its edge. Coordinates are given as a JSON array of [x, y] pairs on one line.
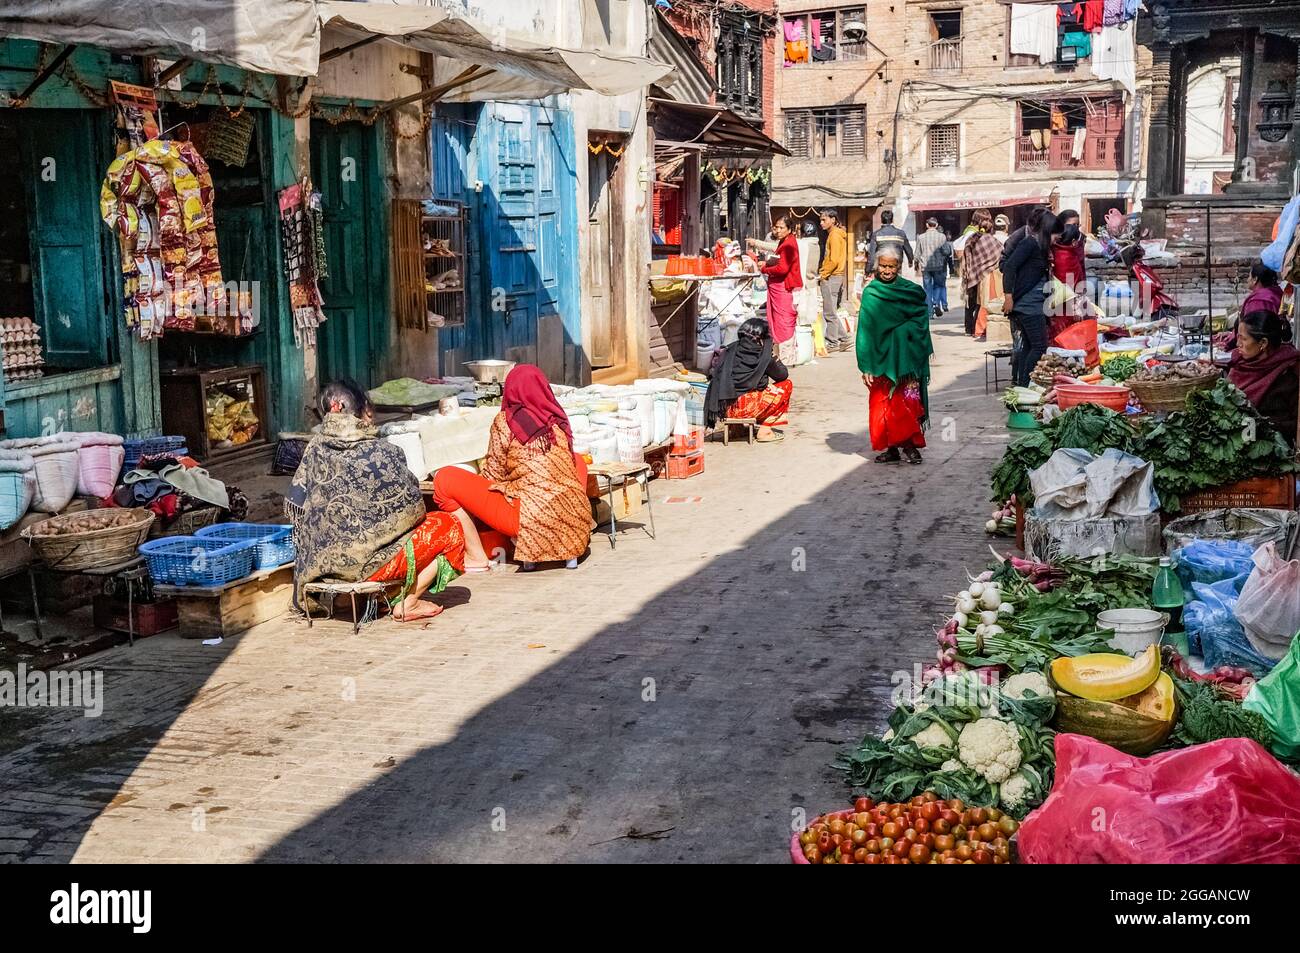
[[945, 40], [739, 74], [1083, 133], [942, 146], [835, 132], [825, 36]]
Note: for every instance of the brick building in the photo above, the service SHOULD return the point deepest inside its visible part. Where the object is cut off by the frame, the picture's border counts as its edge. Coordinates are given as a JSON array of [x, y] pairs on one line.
[[928, 111]]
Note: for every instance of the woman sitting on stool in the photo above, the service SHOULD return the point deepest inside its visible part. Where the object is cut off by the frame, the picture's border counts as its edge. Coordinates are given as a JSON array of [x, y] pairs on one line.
[[533, 488], [750, 382]]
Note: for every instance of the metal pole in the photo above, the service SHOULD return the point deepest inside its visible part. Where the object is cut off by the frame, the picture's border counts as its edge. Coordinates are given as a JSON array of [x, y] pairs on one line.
[[1209, 282]]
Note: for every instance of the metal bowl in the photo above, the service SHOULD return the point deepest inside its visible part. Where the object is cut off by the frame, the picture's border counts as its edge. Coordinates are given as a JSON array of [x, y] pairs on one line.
[[489, 372]]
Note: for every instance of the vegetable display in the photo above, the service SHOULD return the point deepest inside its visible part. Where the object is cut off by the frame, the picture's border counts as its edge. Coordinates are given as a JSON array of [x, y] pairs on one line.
[[1135, 725], [1120, 369], [1170, 370], [1209, 712], [1086, 427], [925, 829], [1107, 676]]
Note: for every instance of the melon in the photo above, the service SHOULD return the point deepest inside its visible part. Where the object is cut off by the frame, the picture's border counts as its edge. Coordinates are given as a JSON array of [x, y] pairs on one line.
[[1136, 725], [1107, 676]]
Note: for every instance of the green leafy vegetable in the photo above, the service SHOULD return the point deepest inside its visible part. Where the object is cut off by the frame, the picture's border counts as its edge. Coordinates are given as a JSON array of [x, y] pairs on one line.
[[1207, 714], [1086, 427], [1120, 369]]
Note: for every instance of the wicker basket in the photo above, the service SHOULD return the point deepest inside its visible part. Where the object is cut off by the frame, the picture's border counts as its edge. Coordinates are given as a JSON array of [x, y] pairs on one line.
[[187, 523], [95, 549], [1168, 395]]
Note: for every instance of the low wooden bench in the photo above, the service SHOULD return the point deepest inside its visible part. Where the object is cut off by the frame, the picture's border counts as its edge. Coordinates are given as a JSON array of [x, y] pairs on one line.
[[205, 612], [750, 423], [331, 589]]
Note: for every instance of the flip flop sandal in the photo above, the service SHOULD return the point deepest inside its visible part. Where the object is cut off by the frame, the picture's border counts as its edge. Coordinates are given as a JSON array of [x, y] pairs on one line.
[[774, 437], [888, 456]]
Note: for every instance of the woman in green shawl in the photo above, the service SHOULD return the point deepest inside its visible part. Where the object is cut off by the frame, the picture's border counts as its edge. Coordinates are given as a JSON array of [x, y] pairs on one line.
[[894, 351]]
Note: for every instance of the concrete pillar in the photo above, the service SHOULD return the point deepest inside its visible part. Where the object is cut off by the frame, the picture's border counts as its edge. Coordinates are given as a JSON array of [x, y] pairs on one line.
[[1159, 148]]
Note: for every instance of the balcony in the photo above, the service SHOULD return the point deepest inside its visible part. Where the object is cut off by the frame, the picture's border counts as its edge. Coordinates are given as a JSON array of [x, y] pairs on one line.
[[945, 55], [1102, 153]]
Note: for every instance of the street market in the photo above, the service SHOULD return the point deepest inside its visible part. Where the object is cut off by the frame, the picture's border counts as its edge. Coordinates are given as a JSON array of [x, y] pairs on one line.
[[412, 419]]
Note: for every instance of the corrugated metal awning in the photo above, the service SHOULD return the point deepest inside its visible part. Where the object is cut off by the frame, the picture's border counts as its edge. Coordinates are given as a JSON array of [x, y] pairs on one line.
[[695, 125], [689, 82]]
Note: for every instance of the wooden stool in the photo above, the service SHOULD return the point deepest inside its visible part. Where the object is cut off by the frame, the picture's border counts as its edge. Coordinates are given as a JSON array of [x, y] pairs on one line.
[[991, 358], [332, 588], [751, 423]]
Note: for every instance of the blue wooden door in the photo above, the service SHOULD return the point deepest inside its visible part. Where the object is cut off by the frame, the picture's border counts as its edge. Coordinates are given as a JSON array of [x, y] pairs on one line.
[[343, 168]]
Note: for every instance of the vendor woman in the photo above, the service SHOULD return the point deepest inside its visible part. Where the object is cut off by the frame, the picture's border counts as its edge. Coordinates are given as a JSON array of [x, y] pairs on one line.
[[358, 514], [1266, 367], [532, 488], [750, 382]]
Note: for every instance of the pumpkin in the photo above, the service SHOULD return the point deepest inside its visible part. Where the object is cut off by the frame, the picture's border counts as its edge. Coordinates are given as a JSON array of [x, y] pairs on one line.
[[1136, 725], [1107, 676]]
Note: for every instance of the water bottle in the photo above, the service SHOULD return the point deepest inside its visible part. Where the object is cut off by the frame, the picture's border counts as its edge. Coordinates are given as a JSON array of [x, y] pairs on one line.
[[1167, 594]]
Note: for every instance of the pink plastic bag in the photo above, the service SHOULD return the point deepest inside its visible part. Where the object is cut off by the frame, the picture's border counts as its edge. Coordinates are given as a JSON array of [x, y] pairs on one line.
[[1226, 802]]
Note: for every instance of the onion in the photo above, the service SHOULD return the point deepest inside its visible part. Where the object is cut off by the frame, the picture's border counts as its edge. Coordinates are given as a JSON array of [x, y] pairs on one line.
[[976, 589], [966, 604], [1006, 609], [962, 619]]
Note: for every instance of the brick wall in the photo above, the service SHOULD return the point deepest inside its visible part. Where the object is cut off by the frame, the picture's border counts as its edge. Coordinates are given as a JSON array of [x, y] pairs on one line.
[[1185, 282], [1250, 226]]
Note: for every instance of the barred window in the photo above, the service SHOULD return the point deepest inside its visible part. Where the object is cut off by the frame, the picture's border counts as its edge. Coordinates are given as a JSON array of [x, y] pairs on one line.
[[942, 146], [833, 132]]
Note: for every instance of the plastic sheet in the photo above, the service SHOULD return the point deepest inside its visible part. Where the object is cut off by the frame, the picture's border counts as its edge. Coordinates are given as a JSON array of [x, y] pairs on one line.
[[1277, 697], [1107, 807], [1269, 607], [1211, 561], [1252, 526], [1210, 620]]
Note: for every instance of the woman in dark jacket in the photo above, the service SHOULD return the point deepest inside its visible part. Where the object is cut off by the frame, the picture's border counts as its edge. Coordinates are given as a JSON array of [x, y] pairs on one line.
[[750, 381], [1025, 274]]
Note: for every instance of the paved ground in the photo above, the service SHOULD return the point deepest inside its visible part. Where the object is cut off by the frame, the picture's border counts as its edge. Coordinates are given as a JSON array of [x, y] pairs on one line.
[[698, 684]]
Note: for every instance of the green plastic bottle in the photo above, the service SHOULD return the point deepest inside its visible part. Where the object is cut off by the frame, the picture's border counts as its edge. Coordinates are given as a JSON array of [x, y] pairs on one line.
[[1167, 594]]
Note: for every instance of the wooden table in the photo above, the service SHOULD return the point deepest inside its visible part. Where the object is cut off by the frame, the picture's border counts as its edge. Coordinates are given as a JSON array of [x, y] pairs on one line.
[[611, 475], [133, 572]]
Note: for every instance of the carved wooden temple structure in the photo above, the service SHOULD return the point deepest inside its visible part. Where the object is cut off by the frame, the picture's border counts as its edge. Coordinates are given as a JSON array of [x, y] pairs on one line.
[[1184, 35]]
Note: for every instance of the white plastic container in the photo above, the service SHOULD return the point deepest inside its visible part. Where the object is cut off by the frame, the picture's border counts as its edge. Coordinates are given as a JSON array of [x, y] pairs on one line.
[[803, 339], [1134, 629]]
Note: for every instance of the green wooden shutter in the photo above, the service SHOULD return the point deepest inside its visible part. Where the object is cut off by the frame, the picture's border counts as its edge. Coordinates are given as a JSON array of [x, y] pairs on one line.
[[62, 180]]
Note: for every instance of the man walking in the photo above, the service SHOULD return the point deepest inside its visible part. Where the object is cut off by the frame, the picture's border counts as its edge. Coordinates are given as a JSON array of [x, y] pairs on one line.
[[833, 271], [934, 260], [889, 236]]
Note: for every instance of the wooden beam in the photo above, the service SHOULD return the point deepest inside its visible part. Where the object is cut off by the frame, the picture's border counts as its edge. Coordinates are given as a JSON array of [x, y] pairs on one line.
[[171, 72], [434, 92], [340, 50], [46, 72]]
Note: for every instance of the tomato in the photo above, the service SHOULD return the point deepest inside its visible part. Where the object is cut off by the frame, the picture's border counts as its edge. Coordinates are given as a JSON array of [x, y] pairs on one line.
[[860, 855], [874, 859], [896, 812], [952, 817], [968, 818], [941, 826], [859, 837], [837, 826], [959, 831], [944, 842], [973, 835], [927, 840], [901, 848], [983, 857], [824, 843], [814, 855], [1002, 854], [910, 834], [872, 829], [921, 825], [846, 858], [917, 801], [891, 859], [828, 859], [919, 854], [837, 839], [879, 816], [862, 819], [988, 830], [956, 804], [979, 815], [999, 860], [892, 830], [863, 804], [1000, 842], [951, 860], [965, 851], [930, 811], [1008, 825], [930, 796]]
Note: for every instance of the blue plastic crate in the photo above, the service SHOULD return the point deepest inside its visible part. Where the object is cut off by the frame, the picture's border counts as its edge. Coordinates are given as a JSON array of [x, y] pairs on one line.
[[135, 449], [272, 542], [195, 561]]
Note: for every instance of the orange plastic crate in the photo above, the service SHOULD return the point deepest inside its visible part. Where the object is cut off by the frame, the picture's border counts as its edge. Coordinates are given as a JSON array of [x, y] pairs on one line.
[[685, 465], [689, 442]]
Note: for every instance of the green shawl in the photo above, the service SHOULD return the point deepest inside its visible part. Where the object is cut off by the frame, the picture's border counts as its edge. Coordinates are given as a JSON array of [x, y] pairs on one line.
[[894, 334]]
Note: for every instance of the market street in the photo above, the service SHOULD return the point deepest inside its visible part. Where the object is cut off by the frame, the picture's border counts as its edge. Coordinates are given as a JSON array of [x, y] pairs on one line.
[[696, 685]]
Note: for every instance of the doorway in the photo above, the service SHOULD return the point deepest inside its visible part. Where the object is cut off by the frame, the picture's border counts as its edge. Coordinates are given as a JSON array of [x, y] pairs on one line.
[[604, 258]]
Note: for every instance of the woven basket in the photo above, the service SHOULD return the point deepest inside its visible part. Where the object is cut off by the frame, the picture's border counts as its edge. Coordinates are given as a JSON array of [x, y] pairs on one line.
[[95, 549], [1168, 395], [187, 523]]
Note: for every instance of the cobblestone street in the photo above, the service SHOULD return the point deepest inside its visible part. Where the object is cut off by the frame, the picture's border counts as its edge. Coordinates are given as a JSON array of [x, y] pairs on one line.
[[696, 685]]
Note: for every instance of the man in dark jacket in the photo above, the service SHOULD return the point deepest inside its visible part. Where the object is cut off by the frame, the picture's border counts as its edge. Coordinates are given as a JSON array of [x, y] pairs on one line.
[[889, 235]]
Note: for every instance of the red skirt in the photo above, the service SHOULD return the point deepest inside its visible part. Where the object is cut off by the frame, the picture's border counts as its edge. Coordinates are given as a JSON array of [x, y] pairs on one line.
[[769, 405], [895, 419], [439, 535]]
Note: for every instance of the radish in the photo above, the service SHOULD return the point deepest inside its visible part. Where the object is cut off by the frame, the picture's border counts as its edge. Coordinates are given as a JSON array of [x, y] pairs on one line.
[[967, 604], [962, 619], [992, 630], [976, 589], [988, 618], [1006, 609], [991, 526], [991, 598]]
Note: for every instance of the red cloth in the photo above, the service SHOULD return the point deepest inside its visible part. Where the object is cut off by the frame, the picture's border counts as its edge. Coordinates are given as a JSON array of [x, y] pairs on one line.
[[439, 535], [781, 314], [1068, 265], [454, 488], [772, 403], [530, 406], [786, 270], [1256, 377], [895, 419], [1089, 13], [1149, 287]]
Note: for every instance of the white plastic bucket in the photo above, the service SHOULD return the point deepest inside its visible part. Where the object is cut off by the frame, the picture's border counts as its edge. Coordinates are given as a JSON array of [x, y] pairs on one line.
[[1134, 629], [803, 339]]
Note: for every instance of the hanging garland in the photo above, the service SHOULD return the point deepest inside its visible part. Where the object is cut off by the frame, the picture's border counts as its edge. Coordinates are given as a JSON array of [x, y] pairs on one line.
[[724, 176], [599, 147]]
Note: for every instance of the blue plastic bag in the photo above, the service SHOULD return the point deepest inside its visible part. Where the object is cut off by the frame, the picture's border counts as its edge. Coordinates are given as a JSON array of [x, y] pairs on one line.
[[1210, 561], [1212, 626], [1275, 252]]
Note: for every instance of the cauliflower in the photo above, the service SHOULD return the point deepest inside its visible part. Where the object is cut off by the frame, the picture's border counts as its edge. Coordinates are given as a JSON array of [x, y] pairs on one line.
[[1015, 790], [1027, 685], [952, 764], [990, 748], [932, 735]]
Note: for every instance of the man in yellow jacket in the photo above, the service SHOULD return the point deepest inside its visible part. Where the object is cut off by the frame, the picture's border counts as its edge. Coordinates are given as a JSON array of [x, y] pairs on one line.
[[832, 273]]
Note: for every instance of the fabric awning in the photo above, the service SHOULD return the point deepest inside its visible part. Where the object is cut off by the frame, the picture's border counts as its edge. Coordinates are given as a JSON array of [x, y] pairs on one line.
[[980, 196], [284, 37], [519, 69], [716, 127]]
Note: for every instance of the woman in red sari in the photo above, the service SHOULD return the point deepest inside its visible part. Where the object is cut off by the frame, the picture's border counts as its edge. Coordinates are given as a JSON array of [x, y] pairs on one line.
[[784, 278], [894, 349], [1151, 297]]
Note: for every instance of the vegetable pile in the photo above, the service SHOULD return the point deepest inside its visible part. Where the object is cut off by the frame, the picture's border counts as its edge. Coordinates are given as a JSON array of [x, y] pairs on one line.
[[1049, 365], [1120, 369], [1210, 712], [923, 830], [87, 522], [1086, 427], [1169, 370]]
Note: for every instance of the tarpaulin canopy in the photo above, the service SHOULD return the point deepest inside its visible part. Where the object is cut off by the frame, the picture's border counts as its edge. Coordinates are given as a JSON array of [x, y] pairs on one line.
[[285, 37], [980, 196], [715, 127]]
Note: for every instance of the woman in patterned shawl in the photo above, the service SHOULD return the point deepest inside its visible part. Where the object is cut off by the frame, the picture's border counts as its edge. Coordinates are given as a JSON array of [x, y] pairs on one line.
[[533, 488], [358, 513]]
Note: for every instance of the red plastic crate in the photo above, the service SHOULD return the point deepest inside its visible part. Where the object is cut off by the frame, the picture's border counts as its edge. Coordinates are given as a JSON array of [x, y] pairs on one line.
[[688, 442], [685, 465]]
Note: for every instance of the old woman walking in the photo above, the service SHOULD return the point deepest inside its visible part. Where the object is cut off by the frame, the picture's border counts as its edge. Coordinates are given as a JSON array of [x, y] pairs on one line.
[[894, 349]]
